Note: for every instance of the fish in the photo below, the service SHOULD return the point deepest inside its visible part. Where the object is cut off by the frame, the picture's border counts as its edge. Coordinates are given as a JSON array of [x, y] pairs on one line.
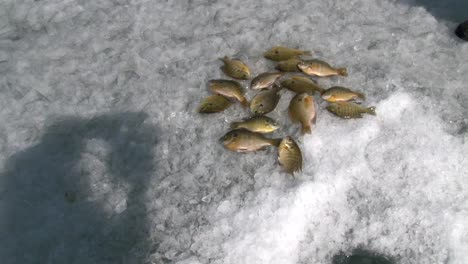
[[243, 140], [265, 101], [290, 155], [350, 110], [259, 124], [229, 89], [235, 68], [320, 68], [341, 94], [302, 110], [265, 80], [214, 104], [301, 84], [288, 65], [280, 53]]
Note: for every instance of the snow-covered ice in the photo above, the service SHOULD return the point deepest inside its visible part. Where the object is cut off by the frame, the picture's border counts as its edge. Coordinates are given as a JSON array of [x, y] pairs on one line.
[[98, 103]]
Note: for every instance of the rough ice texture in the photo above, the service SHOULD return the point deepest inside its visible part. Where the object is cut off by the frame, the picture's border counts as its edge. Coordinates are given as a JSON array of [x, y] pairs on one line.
[[103, 158]]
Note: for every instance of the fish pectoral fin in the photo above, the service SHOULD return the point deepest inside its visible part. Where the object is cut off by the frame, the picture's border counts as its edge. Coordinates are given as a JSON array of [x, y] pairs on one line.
[[306, 129], [242, 150]]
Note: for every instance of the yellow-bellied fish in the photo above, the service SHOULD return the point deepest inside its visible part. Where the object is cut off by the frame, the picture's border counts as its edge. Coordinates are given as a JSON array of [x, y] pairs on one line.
[[242, 140], [265, 101], [290, 155], [301, 84], [320, 68], [280, 53], [349, 110], [302, 109], [260, 124], [235, 68], [341, 94], [289, 65], [230, 89], [214, 104], [265, 80]]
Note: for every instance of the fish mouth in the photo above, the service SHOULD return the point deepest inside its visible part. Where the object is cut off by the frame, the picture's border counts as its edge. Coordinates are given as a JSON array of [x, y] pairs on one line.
[[301, 65], [275, 126]]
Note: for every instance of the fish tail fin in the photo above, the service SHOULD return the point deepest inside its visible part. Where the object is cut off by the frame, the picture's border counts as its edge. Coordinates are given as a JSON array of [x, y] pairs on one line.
[[342, 71], [245, 103], [275, 142], [320, 90], [306, 129], [224, 59], [235, 125], [361, 95], [371, 110], [306, 52]]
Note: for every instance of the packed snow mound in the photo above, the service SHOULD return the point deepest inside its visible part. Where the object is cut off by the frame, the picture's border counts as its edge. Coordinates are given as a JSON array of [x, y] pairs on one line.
[[103, 158]]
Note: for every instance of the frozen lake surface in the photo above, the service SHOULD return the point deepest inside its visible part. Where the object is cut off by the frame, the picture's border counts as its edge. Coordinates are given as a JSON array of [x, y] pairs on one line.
[[103, 158]]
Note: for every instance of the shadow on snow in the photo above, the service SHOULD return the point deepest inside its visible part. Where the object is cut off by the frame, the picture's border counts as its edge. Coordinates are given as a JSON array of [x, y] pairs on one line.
[[49, 212]]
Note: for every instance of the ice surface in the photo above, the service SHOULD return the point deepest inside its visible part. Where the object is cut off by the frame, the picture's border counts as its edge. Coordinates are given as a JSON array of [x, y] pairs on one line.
[[98, 102]]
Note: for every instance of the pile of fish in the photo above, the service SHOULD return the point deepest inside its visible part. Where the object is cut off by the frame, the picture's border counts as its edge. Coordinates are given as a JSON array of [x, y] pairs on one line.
[[248, 135]]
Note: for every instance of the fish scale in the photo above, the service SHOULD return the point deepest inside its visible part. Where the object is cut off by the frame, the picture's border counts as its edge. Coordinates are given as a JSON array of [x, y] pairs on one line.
[[289, 155], [349, 110]]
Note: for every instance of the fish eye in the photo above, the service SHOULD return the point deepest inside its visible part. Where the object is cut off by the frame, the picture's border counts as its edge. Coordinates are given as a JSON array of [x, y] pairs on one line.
[[261, 105], [276, 51]]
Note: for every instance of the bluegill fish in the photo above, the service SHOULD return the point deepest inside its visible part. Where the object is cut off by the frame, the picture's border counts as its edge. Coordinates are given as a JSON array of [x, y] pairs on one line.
[[341, 94], [289, 65], [235, 68], [265, 80], [290, 155], [301, 84], [230, 89], [260, 124], [320, 68], [302, 110], [280, 53], [349, 110], [242, 140], [265, 101], [214, 104]]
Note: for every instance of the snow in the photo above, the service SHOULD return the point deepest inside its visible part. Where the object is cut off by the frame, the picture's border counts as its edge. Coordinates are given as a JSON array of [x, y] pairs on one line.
[[98, 101]]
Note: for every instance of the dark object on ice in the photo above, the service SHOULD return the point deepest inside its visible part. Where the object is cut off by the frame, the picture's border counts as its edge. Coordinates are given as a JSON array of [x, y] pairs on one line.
[[361, 257], [462, 31]]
